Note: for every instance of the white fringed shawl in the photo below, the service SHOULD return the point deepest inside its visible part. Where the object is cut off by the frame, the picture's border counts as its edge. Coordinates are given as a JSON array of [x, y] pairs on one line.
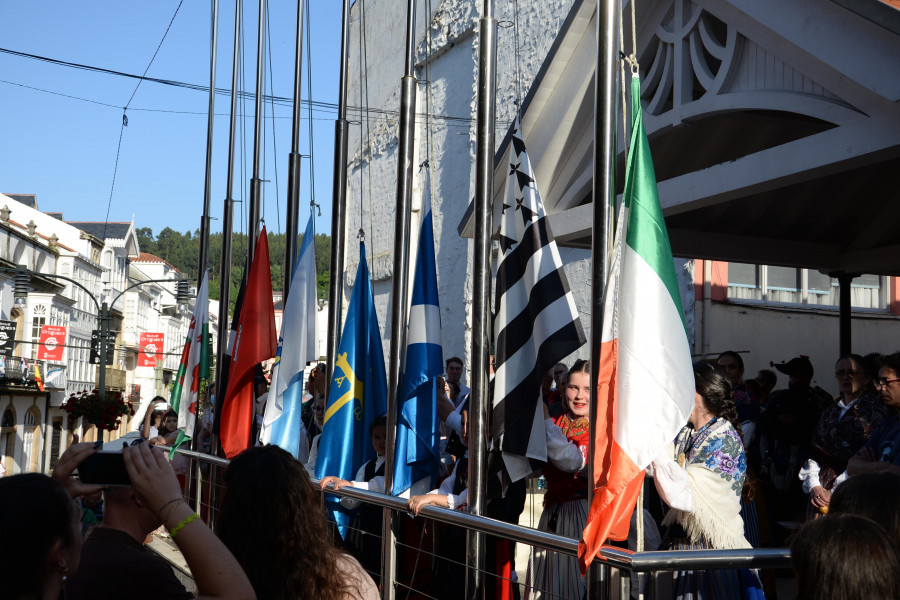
[[716, 466]]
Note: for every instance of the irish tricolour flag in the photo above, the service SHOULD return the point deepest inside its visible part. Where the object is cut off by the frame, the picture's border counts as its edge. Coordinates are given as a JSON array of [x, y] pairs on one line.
[[646, 381], [194, 365]]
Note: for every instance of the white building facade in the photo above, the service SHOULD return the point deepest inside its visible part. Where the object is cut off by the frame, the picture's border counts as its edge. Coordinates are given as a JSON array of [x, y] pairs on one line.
[[73, 268]]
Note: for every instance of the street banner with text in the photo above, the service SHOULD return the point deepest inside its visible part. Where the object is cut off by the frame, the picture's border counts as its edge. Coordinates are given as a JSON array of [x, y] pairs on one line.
[[151, 349], [52, 343]]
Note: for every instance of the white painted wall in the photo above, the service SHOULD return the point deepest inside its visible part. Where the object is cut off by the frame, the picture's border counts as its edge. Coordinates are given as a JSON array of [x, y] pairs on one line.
[[779, 334], [372, 173]]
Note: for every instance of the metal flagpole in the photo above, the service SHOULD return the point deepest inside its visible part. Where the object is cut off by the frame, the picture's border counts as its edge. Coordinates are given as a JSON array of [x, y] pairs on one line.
[[225, 272], [228, 215], [339, 201], [400, 286], [207, 184], [484, 185], [293, 202], [255, 181], [204, 221], [604, 170]]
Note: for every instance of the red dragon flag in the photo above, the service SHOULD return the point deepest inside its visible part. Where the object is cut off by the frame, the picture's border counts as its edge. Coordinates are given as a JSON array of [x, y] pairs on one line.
[[194, 365], [255, 341]]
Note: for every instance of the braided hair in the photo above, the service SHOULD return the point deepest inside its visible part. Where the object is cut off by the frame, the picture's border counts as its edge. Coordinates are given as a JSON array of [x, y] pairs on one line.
[[714, 386]]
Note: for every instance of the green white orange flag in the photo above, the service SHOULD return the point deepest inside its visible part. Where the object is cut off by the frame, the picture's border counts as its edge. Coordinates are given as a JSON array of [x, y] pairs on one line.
[[646, 381], [194, 365]]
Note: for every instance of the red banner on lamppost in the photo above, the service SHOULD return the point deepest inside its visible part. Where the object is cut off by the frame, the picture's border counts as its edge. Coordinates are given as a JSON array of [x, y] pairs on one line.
[[151, 349], [52, 342]]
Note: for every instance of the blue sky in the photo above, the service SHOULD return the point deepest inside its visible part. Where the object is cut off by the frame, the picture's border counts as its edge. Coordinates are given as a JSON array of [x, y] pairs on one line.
[[60, 126]]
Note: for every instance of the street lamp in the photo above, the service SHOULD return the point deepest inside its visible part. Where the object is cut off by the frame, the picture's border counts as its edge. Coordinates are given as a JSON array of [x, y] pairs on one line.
[[22, 287]]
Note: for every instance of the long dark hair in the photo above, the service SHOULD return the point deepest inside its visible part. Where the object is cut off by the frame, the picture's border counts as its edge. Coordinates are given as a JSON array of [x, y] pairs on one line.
[[35, 512], [844, 557], [273, 523], [714, 385]]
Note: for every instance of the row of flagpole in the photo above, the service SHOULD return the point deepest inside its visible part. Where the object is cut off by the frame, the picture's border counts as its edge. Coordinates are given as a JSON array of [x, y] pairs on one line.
[[359, 389]]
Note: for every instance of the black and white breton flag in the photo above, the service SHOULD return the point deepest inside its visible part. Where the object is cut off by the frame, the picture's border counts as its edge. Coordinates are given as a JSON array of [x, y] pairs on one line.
[[535, 321]]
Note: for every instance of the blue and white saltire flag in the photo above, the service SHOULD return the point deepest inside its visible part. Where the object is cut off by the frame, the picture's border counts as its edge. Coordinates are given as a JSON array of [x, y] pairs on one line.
[[417, 452], [282, 425], [357, 394]]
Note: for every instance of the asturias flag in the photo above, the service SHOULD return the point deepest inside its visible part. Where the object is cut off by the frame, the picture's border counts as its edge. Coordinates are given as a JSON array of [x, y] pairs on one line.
[[194, 365], [417, 450], [282, 425], [646, 381], [255, 341], [358, 391]]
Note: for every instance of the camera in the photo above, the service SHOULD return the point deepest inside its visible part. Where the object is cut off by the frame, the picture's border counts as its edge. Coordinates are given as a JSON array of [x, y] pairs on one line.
[[104, 468]]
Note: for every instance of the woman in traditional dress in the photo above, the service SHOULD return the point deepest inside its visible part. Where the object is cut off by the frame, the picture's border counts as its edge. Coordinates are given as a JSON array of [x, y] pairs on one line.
[[553, 575], [702, 485], [841, 432]]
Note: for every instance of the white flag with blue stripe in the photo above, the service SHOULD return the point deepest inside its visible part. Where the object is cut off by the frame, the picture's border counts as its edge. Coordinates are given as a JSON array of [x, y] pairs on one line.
[[282, 425], [417, 450]]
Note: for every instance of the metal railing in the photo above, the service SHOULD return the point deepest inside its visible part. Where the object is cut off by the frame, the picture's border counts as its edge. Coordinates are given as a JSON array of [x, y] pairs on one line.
[[616, 571]]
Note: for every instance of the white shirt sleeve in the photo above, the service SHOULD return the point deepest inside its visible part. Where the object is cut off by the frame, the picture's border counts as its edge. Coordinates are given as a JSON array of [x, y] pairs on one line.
[[454, 501], [672, 482], [839, 480], [454, 421], [313, 455], [809, 475], [565, 455]]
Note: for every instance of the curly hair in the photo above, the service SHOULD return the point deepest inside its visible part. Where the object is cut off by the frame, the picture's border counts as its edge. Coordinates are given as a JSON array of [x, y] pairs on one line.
[[272, 521], [35, 512]]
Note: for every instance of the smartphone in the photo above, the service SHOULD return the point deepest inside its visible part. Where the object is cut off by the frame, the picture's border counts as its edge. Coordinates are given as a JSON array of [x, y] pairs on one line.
[[104, 468]]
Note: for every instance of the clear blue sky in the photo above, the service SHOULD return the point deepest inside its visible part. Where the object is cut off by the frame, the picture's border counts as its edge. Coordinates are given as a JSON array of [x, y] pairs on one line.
[[59, 135]]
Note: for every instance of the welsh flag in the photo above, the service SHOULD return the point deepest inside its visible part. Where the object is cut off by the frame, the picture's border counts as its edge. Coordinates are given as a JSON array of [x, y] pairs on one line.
[[194, 365], [646, 380]]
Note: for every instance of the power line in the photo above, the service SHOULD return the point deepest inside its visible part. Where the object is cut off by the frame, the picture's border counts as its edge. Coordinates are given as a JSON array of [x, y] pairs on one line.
[[280, 100]]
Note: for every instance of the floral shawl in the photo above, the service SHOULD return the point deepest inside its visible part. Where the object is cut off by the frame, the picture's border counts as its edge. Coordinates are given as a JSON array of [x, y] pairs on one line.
[[714, 460]]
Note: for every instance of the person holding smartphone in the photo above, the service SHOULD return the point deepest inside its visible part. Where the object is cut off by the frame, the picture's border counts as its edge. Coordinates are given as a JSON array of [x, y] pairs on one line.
[[115, 564]]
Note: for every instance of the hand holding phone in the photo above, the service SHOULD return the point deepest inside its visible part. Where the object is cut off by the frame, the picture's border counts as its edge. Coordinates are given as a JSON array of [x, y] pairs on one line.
[[71, 459], [104, 469]]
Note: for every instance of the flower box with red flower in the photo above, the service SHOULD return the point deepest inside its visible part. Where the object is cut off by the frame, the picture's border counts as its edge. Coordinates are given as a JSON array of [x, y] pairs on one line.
[[105, 413]]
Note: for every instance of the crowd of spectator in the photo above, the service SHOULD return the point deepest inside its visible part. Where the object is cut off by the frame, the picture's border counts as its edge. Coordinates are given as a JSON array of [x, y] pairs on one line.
[[755, 465]]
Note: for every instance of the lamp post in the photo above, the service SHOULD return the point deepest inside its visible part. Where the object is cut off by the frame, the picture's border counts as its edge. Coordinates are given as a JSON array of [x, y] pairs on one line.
[[21, 288]]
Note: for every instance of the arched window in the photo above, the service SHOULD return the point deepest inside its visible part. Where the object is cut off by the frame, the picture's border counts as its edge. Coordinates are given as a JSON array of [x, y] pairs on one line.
[[9, 418]]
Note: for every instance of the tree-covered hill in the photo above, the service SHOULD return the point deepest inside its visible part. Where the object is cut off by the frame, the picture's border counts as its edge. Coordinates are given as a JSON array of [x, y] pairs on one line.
[[182, 250]]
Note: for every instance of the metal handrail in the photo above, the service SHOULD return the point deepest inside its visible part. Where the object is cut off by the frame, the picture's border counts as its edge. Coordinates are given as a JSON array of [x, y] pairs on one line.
[[620, 558]]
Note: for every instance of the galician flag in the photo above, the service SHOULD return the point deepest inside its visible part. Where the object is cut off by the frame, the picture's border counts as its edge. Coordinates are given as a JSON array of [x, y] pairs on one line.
[[646, 381], [194, 365], [282, 425]]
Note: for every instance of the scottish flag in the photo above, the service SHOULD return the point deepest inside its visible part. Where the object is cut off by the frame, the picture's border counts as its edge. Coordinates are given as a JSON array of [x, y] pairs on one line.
[[296, 346], [417, 452], [358, 392]]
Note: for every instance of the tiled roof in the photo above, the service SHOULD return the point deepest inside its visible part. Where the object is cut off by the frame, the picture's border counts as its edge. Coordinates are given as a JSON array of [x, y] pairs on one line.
[[26, 199], [101, 230], [146, 257]]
